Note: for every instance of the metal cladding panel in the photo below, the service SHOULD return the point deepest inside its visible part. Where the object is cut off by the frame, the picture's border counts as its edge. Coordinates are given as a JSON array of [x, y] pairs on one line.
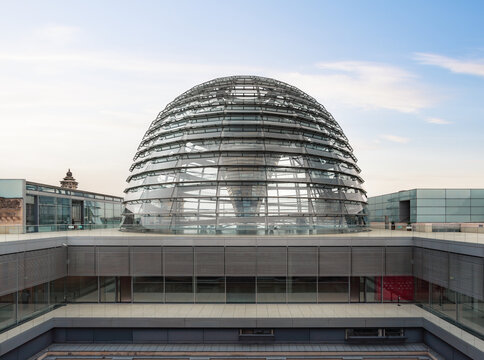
[[302, 261], [37, 269], [398, 261], [146, 261], [367, 261], [8, 274], [81, 261], [418, 262], [334, 261], [209, 261], [435, 267], [21, 270], [466, 275], [178, 261], [240, 261], [112, 261], [58, 262], [271, 261]]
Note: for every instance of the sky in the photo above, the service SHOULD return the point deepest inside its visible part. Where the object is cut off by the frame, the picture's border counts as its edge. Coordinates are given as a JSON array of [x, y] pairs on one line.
[[81, 81]]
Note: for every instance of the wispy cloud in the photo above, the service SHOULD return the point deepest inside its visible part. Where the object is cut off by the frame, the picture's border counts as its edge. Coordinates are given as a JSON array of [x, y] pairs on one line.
[[395, 138], [438, 121], [471, 67], [55, 33], [358, 84], [366, 85]]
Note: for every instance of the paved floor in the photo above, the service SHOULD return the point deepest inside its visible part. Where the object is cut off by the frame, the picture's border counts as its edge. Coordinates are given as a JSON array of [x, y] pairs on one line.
[[373, 233]]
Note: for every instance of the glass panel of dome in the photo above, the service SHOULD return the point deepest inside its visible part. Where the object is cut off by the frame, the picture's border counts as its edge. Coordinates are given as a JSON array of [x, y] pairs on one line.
[[257, 147]]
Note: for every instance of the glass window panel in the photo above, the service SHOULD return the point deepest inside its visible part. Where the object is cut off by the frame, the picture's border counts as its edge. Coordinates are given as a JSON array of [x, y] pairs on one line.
[[477, 210], [431, 202], [50, 200], [458, 218], [444, 301], [430, 193], [33, 300], [57, 291], [372, 288], [458, 210], [148, 289], [430, 218], [47, 214], [458, 202], [7, 310], [210, 290], [82, 289], [333, 289], [458, 193], [398, 288], [107, 289], [477, 202], [477, 193], [179, 289], [431, 210], [471, 312], [240, 289], [422, 291], [301, 289], [271, 290]]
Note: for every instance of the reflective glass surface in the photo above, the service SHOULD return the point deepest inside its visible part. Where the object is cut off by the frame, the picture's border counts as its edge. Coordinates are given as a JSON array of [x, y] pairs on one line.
[[245, 155]]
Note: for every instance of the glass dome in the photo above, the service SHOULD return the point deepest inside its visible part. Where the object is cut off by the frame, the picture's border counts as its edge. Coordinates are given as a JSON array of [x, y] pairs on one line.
[[244, 155]]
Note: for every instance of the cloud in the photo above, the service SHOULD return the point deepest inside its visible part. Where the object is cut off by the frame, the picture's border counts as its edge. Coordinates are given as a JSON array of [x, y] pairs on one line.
[[471, 67], [60, 34], [395, 138], [359, 84], [365, 85], [437, 121]]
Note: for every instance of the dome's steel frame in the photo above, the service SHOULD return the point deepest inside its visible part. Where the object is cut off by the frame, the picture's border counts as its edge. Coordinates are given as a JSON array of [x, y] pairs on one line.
[[245, 155]]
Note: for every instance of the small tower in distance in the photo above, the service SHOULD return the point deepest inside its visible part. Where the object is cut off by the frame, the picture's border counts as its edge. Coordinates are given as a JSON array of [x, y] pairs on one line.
[[69, 182]]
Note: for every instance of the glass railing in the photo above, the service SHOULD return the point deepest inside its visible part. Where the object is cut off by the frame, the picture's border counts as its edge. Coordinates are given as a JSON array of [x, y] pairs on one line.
[[31, 232]]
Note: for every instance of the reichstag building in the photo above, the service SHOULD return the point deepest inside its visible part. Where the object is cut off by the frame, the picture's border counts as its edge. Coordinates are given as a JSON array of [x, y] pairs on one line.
[[245, 222]]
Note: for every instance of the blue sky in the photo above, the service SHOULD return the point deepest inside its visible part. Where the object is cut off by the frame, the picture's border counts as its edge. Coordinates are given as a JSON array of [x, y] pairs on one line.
[[80, 82]]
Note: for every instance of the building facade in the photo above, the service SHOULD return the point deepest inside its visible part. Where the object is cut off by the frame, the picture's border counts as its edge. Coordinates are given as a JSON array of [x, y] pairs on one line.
[[434, 206], [27, 206]]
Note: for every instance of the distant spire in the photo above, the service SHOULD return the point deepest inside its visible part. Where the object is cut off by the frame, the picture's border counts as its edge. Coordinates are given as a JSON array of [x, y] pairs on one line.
[[69, 182]]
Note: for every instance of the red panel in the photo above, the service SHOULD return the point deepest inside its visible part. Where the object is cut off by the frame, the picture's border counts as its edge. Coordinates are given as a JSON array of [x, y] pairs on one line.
[[395, 287]]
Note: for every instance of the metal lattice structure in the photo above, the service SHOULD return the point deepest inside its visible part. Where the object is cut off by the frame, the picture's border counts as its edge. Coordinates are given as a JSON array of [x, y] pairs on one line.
[[245, 155]]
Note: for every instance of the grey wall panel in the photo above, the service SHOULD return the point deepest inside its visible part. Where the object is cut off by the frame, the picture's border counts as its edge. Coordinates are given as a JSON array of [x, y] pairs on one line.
[[418, 262], [21, 270], [209, 261], [8, 274], [112, 261], [81, 261], [36, 267], [334, 261], [58, 262], [146, 261], [398, 261], [436, 267], [271, 261], [367, 261], [178, 261], [240, 261], [302, 261], [466, 275]]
